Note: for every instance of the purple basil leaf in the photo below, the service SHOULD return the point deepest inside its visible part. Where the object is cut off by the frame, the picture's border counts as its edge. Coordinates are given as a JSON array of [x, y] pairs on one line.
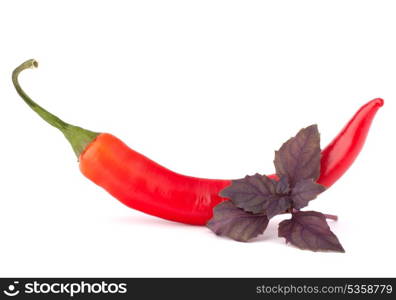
[[299, 157], [309, 230], [233, 222], [259, 194], [282, 186], [305, 191], [277, 206], [252, 193]]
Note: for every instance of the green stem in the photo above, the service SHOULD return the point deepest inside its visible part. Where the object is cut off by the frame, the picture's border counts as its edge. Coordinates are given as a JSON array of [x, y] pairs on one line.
[[78, 137]]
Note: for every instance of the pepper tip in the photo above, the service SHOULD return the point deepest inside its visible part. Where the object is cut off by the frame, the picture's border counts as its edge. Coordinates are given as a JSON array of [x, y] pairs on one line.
[[379, 101]]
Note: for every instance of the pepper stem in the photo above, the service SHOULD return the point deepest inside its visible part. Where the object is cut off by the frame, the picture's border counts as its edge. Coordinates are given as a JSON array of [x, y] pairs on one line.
[[78, 137]]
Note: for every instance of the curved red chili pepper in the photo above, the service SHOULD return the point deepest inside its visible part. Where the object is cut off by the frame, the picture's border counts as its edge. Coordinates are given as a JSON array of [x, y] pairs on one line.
[[142, 184], [339, 155]]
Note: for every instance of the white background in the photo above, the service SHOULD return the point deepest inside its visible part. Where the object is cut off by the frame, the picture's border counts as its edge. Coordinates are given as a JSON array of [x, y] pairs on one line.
[[206, 88]]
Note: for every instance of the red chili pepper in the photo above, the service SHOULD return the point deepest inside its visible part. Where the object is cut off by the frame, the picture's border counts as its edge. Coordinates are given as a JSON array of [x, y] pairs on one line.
[[339, 155], [142, 184]]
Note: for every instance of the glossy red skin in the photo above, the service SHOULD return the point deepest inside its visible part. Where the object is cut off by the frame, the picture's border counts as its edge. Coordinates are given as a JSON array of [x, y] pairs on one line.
[[142, 184], [339, 155]]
